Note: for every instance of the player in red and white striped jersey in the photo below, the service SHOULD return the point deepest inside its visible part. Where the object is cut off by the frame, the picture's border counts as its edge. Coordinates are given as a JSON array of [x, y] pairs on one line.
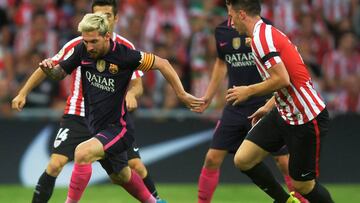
[[73, 124], [299, 120]]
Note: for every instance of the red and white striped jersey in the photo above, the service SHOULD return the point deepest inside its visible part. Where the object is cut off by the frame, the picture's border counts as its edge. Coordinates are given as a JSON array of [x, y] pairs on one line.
[[300, 102], [75, 101]]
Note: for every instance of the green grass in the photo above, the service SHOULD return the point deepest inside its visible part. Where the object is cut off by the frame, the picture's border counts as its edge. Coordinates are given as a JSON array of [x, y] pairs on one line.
[[173, 193]]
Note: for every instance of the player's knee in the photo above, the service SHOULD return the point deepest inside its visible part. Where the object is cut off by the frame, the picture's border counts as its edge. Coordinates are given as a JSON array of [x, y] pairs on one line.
[[82, 155], [212, 161], [139, 168], [55, 166], [242, 163], [303, 187], [122, 177]]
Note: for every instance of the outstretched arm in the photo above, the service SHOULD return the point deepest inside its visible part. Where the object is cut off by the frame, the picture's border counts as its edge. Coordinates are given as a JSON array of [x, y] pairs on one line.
[[171, 76], [55, 72], [34, 80]]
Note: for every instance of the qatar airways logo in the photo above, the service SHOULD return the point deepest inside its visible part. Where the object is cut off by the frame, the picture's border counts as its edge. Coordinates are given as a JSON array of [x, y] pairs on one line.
[[101, 82], [240, 59]]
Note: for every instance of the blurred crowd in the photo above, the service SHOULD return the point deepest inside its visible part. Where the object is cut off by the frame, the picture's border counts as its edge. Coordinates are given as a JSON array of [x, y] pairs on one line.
[[326, 33]]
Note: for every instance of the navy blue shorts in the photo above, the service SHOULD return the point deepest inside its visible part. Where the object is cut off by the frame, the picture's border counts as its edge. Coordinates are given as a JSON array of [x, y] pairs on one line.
[[232, 129], [303, 141], [116, 141]]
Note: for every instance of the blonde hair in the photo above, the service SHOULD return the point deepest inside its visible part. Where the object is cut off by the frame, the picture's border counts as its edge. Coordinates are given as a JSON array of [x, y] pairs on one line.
[[94, 22]]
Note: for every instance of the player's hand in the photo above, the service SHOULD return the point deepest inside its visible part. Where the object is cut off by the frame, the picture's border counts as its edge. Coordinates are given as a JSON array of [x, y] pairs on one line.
[[258, 114], [193, 103], [18, 102], [237, 94], [131, 102], [46, 64], [204, 106]]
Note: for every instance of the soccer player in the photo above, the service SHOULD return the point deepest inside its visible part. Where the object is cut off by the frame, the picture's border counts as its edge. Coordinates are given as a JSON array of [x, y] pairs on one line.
[[106, 69], [73, 123], [299, 120], [235, 58]]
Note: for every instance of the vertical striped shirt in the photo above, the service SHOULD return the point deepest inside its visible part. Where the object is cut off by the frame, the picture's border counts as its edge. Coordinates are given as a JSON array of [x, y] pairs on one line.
[[299, 102], [75, 101]]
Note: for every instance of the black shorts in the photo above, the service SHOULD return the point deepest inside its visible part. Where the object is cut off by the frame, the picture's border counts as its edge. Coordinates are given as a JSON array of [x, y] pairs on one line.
[[116, 141], [303, 141], [73, 130], [133, 151], [232, 129]]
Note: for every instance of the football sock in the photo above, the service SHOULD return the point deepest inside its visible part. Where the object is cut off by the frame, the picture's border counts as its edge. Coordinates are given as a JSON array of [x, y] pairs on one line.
[[319, 194], [137, 189], [264, 179], [208, 180], [79, 179], [290, 187], [150, 186], [44, 188]]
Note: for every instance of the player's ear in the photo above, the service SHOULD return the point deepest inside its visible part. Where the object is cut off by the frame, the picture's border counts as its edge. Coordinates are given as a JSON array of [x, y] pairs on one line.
[[107, 36]]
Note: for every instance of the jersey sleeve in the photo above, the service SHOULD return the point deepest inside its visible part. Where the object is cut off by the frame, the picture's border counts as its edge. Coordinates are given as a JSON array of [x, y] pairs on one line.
[[220, 53], [66, 50], [139, 60], [264, 46], [73, 60]]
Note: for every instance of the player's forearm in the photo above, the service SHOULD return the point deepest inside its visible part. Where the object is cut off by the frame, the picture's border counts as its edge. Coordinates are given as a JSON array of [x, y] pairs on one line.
[[136, 87], [55, 73], [170, 75], [218, 75], [270, 104], [279, 78], [34, 80]]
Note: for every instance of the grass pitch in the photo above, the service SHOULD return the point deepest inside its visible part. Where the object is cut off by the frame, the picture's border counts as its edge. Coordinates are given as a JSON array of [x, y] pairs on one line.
[[173, 193]]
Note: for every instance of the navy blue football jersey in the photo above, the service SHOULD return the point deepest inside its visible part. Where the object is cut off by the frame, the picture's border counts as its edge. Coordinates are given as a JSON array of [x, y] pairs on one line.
[[237, 54], [105, 82]]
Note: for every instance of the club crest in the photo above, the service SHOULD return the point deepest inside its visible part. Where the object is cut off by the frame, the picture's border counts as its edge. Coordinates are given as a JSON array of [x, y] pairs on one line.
[[113, 68], [100, 65], [236, 42]]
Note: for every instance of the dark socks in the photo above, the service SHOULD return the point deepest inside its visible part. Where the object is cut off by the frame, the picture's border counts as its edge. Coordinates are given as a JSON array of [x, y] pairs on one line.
[[44, 188], [319, 194], [150, 186], [264, 179]]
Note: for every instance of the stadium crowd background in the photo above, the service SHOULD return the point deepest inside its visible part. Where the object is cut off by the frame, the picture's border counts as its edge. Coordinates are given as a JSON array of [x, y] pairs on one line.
[[325, 31]]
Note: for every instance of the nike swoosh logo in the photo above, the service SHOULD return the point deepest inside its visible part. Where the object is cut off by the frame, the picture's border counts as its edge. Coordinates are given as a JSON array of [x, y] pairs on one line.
[[36, 156], [305, 174], [223, 44], [86, 62], [136, 149]]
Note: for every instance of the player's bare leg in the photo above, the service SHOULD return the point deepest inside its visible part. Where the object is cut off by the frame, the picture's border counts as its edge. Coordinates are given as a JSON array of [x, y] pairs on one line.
[[90, 151], [46, 183], [209, 177]]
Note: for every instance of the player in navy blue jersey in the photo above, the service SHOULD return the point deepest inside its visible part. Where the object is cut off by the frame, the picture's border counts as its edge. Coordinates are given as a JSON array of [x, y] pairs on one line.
[[236, 60], [106, 69]]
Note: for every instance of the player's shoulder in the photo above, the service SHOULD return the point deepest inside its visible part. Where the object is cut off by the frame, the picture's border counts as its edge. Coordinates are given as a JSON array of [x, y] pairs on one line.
[[122, 40], [74, 42], [225, 31]]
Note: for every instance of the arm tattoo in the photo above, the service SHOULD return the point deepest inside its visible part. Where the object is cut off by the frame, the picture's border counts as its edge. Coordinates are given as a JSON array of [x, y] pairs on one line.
[[55, 73]]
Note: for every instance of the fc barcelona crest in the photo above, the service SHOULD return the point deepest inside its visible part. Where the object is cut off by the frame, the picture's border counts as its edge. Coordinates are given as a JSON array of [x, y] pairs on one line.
[[100, 65], [236, 42], [113, 68]]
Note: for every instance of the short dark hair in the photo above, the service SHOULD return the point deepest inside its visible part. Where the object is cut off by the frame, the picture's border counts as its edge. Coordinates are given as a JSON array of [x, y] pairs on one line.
[[252, 7], [112, 3]]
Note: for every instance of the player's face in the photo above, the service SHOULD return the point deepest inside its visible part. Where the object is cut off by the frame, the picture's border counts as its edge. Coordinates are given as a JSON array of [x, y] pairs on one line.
[[96, 45], [108, 11], [236, 19]]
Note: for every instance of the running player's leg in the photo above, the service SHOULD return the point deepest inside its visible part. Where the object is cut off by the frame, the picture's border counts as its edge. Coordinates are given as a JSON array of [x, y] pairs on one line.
[[304, 143], [135, 163], [72, 131], [263, 138], [281, 158], [230, 131]]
